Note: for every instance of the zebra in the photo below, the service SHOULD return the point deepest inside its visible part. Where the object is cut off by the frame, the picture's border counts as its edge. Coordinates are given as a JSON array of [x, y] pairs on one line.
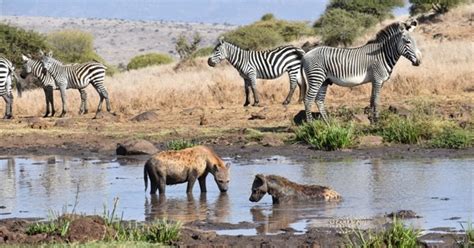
[[268, 64], [372, 62], [77, 76], [32, 66], [7, 70]]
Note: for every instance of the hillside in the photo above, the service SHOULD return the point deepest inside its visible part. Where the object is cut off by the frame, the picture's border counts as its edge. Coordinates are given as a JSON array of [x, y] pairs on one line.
[[117, 41]]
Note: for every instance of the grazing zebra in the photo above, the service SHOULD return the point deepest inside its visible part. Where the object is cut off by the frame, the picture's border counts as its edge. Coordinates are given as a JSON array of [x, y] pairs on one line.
[[349, 67], [6, 73], [263, 65], [77, 76]]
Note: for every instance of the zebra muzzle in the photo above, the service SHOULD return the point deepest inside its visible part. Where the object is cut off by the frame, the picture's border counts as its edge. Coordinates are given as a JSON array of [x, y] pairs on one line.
[[211, 63]]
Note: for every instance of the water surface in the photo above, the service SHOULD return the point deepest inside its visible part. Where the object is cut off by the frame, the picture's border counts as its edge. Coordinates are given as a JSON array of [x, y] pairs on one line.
[[439, 190]]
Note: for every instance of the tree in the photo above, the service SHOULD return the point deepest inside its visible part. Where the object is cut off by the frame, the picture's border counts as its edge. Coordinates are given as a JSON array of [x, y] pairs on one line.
[[421, 6], [73, 46], [185, 49], [267, 17], [381, 9]]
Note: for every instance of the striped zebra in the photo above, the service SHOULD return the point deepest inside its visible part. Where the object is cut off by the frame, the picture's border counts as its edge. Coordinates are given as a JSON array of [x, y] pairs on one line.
[[77, 76], [268, 64], [7, 70], [350, 67], [32, 66]]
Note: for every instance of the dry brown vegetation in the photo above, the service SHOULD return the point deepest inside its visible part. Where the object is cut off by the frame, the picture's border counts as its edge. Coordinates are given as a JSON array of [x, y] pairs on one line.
[[445, 74]]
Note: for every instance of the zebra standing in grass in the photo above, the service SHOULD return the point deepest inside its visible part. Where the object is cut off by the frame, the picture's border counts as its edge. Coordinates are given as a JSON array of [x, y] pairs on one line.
[[77, 76], [349, 67], [6, 73], [263, 65]]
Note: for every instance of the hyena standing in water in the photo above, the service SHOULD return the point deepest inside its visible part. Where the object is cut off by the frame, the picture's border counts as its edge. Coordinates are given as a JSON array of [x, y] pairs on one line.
[[187, 165], [284, 190]]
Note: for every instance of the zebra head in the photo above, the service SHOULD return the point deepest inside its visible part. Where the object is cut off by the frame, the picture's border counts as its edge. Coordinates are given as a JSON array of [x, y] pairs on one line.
[[47, 61], [407, 44], [218, 54], [27, 67]]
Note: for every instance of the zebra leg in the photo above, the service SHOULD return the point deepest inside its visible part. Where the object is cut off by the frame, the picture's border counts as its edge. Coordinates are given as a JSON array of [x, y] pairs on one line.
[[374, 101], [107, 100], [315, 78], [253, 83], [62, 89], [51, 100], [46, 96], [320, 100], [83, 108], [247, 93], [293, 83], [8, 106]]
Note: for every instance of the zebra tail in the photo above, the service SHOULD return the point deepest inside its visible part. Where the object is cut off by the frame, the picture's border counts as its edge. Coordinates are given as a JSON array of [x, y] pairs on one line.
[[304, 87], [19, 86]]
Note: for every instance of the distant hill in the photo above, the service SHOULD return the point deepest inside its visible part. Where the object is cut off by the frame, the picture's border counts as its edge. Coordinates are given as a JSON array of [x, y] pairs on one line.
[[117, 41]]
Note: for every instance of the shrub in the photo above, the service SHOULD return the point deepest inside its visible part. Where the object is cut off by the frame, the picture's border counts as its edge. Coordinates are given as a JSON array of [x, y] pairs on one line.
[[203, 52], [378, 9], [325, 137], [254, 37], [180, 144], [16, 41], [453, 138], [148, 60], [267, 33], [402, 130], [73, 46], [338, 26], [186, 49], [421, 6]]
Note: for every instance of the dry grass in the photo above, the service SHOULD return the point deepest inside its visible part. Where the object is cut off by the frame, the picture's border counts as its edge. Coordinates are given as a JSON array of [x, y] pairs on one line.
[[445, 74]]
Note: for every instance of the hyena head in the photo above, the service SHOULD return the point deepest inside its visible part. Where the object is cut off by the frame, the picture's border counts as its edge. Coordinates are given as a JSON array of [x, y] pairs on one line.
[[221, 175], [259, 188]]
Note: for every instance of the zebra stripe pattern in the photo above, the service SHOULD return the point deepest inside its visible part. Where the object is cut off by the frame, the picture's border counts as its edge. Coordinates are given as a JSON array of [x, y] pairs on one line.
[[77, 76], [47, 81], [349, 67], [6, 71], [268, 64]]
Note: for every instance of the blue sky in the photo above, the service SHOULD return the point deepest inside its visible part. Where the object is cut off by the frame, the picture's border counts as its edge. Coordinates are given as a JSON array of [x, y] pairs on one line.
[[209, 11]]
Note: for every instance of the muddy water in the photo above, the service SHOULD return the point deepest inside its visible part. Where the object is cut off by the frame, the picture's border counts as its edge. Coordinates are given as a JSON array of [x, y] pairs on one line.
[[441, 191]]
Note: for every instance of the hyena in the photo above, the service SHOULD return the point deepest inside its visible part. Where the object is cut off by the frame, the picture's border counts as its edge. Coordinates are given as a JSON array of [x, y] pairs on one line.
[[283, 190], [187, 165]]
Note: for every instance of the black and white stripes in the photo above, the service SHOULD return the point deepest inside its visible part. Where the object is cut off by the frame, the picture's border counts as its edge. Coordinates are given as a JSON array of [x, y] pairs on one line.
[[6, 72], [349, 67], [77, 76], [262, 65]]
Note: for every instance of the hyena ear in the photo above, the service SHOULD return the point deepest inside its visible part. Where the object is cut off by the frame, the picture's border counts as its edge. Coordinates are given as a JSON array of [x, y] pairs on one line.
[[260, 178]]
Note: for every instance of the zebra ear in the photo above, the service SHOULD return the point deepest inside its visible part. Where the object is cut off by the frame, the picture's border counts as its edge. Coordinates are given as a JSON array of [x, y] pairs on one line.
[[41, 52], [25, 58], [221, 39], [412, 25], [50, 53]]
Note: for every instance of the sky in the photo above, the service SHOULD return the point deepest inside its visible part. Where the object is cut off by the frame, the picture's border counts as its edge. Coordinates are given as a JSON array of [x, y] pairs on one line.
[[208, 11]]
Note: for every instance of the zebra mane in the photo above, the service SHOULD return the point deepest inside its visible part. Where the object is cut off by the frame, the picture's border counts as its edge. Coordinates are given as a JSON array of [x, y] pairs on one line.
[[250, 50], [386, 33]]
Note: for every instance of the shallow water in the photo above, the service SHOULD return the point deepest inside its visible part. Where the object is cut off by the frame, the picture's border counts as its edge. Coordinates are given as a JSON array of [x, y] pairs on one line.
[[437, 189]]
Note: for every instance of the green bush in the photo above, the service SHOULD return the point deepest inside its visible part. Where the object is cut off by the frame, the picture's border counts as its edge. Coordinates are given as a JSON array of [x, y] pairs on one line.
[[180, 144], [402, 130], [203, 52], [453, 138], [325, 137], [378, 9], [73, 46], [148, 60], [338, 26], [16, 41], [421, 6], [268, 33]]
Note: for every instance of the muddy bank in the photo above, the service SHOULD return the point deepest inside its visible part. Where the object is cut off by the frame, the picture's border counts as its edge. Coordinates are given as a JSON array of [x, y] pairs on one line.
[[93, 228]]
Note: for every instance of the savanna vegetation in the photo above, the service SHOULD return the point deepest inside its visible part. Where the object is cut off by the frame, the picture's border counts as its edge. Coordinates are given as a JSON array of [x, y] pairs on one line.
[[149, 59]]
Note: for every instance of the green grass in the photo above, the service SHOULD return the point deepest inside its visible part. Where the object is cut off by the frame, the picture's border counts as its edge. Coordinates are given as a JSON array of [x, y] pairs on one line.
[[54, 226], [325, 137], [402, 130], [452, 138], [253, 134], [468, 238], [180, 144], [397, 235]]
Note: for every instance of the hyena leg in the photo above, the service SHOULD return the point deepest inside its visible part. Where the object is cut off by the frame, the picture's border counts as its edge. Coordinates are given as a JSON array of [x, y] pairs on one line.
[[191, 181], [202, 183], [161, 184]]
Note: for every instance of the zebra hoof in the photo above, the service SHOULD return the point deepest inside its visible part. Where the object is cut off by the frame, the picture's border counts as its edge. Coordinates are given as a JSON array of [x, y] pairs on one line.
[[286, 103], [7, 117], [62, 114], [255, 104], [246, 104]]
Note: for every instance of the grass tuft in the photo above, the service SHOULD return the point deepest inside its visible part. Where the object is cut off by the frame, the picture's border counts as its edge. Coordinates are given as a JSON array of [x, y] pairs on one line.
[[452, 138], [325, 137], [397, 235], [180, 144]]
